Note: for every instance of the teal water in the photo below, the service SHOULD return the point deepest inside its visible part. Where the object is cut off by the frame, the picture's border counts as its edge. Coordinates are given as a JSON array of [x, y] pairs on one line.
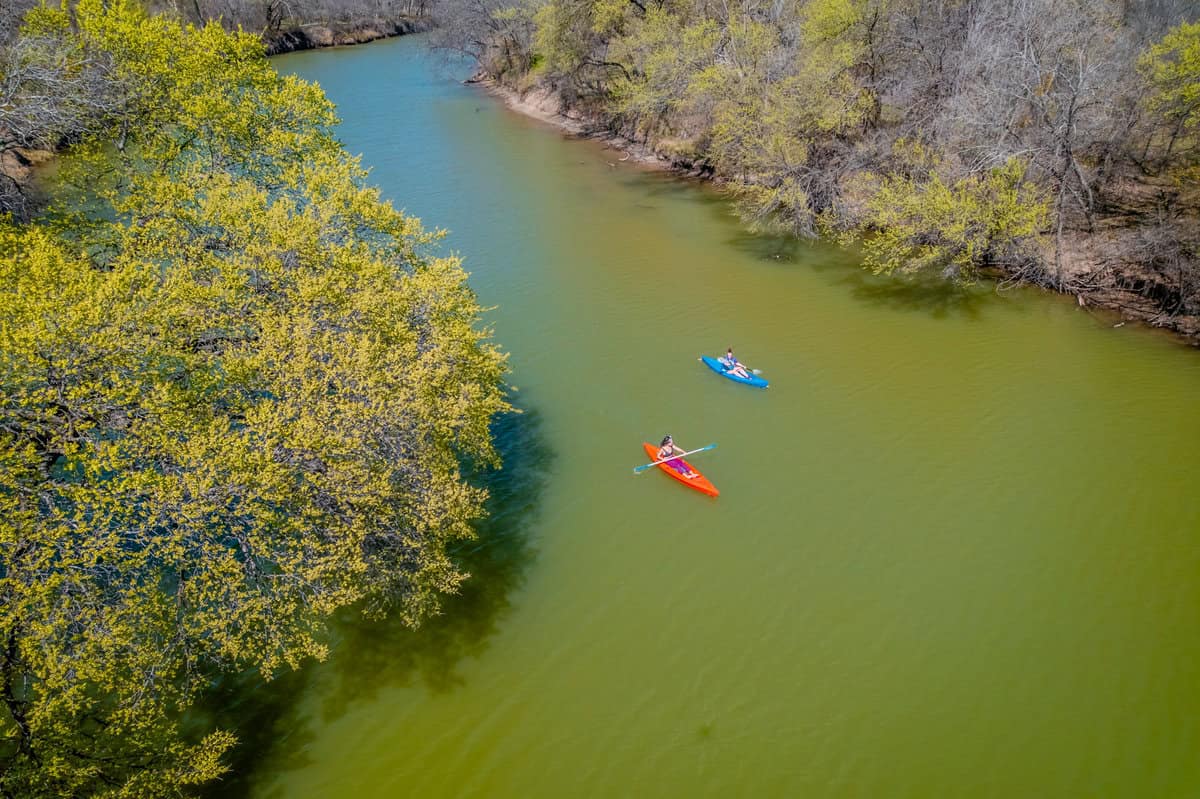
[[955, 553]]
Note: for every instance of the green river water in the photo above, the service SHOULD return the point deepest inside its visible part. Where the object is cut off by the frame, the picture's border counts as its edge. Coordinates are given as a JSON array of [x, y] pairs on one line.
[[956, 551]]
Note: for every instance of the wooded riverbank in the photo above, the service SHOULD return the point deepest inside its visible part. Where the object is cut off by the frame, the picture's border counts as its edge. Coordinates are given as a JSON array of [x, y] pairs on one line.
[[1097, 277], [1048, 142], [179, 501]]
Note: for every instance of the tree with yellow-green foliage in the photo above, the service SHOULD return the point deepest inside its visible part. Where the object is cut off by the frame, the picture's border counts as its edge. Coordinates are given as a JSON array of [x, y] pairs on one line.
[[780, 128], [913, 223], [768, 93], [665, 55], [237, 393], [1171, 68], [797, 107]]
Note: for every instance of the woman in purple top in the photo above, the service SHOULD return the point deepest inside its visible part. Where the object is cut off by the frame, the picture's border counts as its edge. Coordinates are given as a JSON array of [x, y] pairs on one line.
[[666, 449]]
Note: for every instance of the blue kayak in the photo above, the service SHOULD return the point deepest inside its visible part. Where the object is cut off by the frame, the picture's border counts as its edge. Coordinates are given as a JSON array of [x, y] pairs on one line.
[[718, 365]]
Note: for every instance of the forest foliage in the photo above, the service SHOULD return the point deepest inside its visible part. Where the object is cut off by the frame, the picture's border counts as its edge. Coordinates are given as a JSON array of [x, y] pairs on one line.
[[264, 17], [1036, 117], [238, 392]]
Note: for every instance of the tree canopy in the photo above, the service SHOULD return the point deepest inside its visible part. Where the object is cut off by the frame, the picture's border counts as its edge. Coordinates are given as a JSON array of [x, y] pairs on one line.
[[239, 392]]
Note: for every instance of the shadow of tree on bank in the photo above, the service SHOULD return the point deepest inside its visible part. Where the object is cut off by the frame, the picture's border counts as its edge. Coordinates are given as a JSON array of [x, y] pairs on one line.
[[932, 294], [940, 297], [657, 186], [366, 657]]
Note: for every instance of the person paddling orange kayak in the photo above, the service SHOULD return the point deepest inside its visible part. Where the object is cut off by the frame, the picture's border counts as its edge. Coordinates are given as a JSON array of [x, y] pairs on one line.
[[666, 449], [669, 458]]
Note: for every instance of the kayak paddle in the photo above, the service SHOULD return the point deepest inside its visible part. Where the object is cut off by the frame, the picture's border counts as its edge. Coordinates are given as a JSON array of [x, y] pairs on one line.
[[640, 469]]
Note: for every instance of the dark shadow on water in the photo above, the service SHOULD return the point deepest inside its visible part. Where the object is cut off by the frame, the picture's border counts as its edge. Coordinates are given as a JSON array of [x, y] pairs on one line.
[[770, 248], [373, 655], [784, 249], [658, 185], [931, 295], [367, 657], [265, 719], [776, 246]]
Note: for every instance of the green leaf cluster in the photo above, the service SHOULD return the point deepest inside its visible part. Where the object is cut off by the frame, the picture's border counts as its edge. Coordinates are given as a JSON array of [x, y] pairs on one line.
[[568, 33], [789, 104]]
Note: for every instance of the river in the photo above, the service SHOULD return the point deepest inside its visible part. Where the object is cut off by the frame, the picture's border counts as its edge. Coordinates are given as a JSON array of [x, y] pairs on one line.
[[956, 551]]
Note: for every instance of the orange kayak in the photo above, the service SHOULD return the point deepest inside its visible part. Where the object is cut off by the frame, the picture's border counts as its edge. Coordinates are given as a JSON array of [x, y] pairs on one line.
[[699, 482]]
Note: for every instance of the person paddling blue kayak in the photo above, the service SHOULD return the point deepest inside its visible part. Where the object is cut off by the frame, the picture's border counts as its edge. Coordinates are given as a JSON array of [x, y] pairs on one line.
[[733, 366], [730, 367]]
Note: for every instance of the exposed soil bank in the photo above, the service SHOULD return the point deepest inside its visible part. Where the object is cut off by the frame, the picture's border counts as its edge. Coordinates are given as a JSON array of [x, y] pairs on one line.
[[17, 180], [333, 34], [1093, 272], [545, 105]]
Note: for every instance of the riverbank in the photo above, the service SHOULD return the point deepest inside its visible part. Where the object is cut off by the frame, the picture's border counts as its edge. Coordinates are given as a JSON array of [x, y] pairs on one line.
[[1094, 274], [546, 106], [315, 35]]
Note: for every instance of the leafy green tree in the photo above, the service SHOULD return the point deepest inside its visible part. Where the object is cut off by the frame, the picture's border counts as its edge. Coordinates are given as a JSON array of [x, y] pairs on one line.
[[780, 127], [237, 393], [658, 92], [573, 40], [914, 224], [1171, 67]]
